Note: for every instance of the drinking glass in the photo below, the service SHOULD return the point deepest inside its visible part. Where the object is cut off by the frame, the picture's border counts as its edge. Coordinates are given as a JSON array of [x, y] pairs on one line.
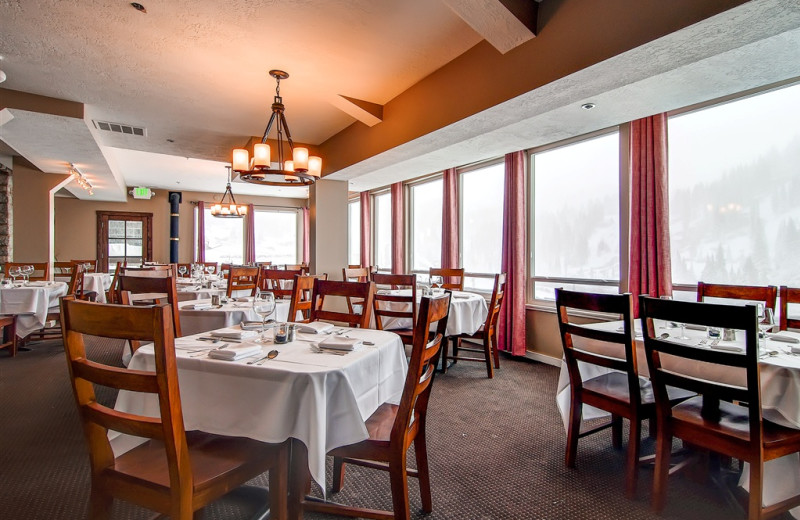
[[264, 305], [182, 270], [436, 281], [27, 271], [210, 269], [13, 272]]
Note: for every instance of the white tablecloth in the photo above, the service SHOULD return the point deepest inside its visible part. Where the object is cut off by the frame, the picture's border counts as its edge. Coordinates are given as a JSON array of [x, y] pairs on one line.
[[320, 399], [780, 395], [193, 292], [229, 314], [468, 311], [97, 282], [31, 304]]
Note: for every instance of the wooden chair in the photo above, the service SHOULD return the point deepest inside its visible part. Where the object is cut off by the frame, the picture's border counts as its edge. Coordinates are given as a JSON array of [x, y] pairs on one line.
[[52, 328], [113, 290], [711, 420], [788, 295], [133, 289], [242, 279], [358, 274], [453, 278], [302, 289], [277, 281], [487, 334], [327, 288], [393, 428], [92, 265], [41, 270], [62, 268], [765, 294], [303, 268], [393, 306], [9, 338], [224, 270], [174, 473], [620, 391]]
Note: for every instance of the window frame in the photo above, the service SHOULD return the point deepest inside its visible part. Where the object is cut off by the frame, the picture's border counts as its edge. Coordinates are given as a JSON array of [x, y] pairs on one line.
[[298, 213], [374, 227]]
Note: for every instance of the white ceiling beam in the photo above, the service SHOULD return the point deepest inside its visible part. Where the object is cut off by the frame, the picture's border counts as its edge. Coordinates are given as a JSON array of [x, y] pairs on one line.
[[368, 113], [505, 24]]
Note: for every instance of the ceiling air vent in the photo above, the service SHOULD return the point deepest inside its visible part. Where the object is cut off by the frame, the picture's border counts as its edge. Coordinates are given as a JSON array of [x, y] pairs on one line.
[[119, 128]]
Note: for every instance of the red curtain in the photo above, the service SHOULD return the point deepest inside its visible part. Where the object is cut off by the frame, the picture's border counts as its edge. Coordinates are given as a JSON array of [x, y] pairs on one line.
[[398, 230], [201, 232], [366, 235], [511, 326], [250, 235], [650, 271], [450, 216], [306, 237]]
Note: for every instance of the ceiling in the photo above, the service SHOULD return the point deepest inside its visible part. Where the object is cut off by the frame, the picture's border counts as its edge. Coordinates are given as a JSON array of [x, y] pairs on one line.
[[194, 76]]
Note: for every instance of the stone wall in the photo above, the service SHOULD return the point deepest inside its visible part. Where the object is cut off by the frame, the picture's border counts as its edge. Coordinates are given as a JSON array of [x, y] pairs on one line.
[[6, 216]]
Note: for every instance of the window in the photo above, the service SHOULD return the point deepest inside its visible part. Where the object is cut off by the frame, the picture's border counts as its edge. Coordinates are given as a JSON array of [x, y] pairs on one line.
[[575, 217], [425, 208], [224, 239], [354, 232], [123, 237], [733, 191], [481, 225], [382, 231], [276, 234]]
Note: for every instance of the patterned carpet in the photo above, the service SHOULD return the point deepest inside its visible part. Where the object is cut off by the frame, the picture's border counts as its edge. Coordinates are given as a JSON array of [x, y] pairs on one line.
[[496, 452]]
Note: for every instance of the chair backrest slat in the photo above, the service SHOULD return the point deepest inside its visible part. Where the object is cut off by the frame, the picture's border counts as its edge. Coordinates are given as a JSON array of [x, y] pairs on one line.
[[788, 295], [243, 278], [41, 270], [277, 281], [393, 305], [765, 294], [302, 290], [453, 277]]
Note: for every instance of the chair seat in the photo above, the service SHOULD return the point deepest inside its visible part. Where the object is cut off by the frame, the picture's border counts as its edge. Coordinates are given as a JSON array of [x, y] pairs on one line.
[[379, 427], [614, 385], [734, 424], [214, 457]]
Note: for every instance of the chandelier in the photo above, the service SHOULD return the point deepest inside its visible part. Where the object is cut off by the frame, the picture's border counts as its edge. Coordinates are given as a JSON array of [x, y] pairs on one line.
[[299, 170], [228, 209]]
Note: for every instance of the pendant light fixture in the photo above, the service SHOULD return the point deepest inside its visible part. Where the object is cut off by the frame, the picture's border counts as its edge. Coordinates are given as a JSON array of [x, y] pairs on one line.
[[229, 208]]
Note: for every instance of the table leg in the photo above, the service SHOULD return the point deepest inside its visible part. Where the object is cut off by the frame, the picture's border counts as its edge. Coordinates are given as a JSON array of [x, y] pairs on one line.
[[299, 479]]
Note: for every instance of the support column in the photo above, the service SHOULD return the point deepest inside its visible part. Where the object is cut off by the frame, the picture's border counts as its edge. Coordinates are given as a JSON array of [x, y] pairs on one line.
[[6, 210], [328, 227], [175, 198]]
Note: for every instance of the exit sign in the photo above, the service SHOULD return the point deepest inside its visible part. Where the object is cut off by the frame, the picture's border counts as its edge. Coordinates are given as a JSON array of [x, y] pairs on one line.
[[141, 192]]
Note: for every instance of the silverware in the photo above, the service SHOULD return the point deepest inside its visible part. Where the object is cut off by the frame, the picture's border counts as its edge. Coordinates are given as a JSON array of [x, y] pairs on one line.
[[272, 354]]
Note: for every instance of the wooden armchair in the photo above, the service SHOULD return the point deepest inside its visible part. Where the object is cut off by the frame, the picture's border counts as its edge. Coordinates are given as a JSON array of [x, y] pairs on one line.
[[302, 289], [764, 294], [453, 278], [277, 281], [619, 391], [41, 270], [393, 428], [243, 279], [327, 288], [711, 421], [174, 473], [487, 334], [387, 306]]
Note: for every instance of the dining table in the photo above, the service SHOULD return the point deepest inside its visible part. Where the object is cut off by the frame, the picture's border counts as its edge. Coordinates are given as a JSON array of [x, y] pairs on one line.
[[319, 400], [30, 302], [98, 283], [468, 312], [201, 316], [779, 369]]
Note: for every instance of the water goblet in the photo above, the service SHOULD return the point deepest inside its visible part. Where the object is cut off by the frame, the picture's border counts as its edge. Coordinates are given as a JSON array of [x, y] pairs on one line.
[[264, 305], [27, 271], [13, 272], [210, 269], [182, 270]]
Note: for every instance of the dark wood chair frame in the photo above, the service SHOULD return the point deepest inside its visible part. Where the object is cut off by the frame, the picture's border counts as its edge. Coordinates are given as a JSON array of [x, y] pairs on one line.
[[38, 267], [155, 291], [382, 302], [360, 290], [275, 281], [394, 428], [723, 418], [453, 277], [788, 295], [302, 290], [175, 472], [487, 334]]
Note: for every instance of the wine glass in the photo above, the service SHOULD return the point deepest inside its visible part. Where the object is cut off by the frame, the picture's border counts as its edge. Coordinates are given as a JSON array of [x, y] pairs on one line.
[[210, 269], [436, 281], [27, 271], [182, 270], [766, 321], [13, 272], [264, 305]]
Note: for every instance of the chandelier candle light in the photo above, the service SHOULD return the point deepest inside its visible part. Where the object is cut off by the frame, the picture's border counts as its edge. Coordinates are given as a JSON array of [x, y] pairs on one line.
[[228, 209], [299, 170]]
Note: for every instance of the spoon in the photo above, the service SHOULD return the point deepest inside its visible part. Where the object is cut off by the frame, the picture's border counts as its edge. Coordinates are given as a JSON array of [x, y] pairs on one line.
[[272, 354], [664, 336]]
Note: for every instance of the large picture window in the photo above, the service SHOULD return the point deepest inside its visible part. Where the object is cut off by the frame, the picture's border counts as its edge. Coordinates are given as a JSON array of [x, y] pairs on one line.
[[224, 239], [382, 231], [276, 233], [575, 217], [734, 187], [354, 232], [425, 209], [482, 225]]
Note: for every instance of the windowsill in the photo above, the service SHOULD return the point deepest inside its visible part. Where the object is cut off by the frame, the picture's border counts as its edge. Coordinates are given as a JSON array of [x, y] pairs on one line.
[[549, 307]]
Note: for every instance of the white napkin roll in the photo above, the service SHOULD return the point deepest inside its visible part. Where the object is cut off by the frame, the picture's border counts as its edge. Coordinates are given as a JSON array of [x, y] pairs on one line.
[[340, 343], [234, 334], [234, 352], [785, 339], [315, 327], [728, 347]]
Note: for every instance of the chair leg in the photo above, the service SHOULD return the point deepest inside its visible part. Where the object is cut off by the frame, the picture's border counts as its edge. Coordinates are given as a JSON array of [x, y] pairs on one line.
[[456, 345], [398, 477], [756, 485], [421, 451], [100, 505], [445, 348], [495, 351], [487, 353], [616, 431], [661, 473], [632, 466], [573, 432], [338, 474]]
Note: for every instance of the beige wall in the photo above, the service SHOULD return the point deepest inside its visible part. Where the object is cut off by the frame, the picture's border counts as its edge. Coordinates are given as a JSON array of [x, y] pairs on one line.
[[32, 212], [328, 223], [76, 222]]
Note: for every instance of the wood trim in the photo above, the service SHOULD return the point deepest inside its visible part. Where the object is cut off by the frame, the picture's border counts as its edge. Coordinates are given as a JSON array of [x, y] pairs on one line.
[[102, 234]]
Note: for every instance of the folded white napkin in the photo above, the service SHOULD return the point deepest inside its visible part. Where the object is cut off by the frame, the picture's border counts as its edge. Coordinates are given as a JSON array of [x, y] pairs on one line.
[[234, 352], [244, 299], [251, 325], [728, 347], [692, 326], [785, 339], [234, 334], [340, 343], [198, 306], [315, 327]]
